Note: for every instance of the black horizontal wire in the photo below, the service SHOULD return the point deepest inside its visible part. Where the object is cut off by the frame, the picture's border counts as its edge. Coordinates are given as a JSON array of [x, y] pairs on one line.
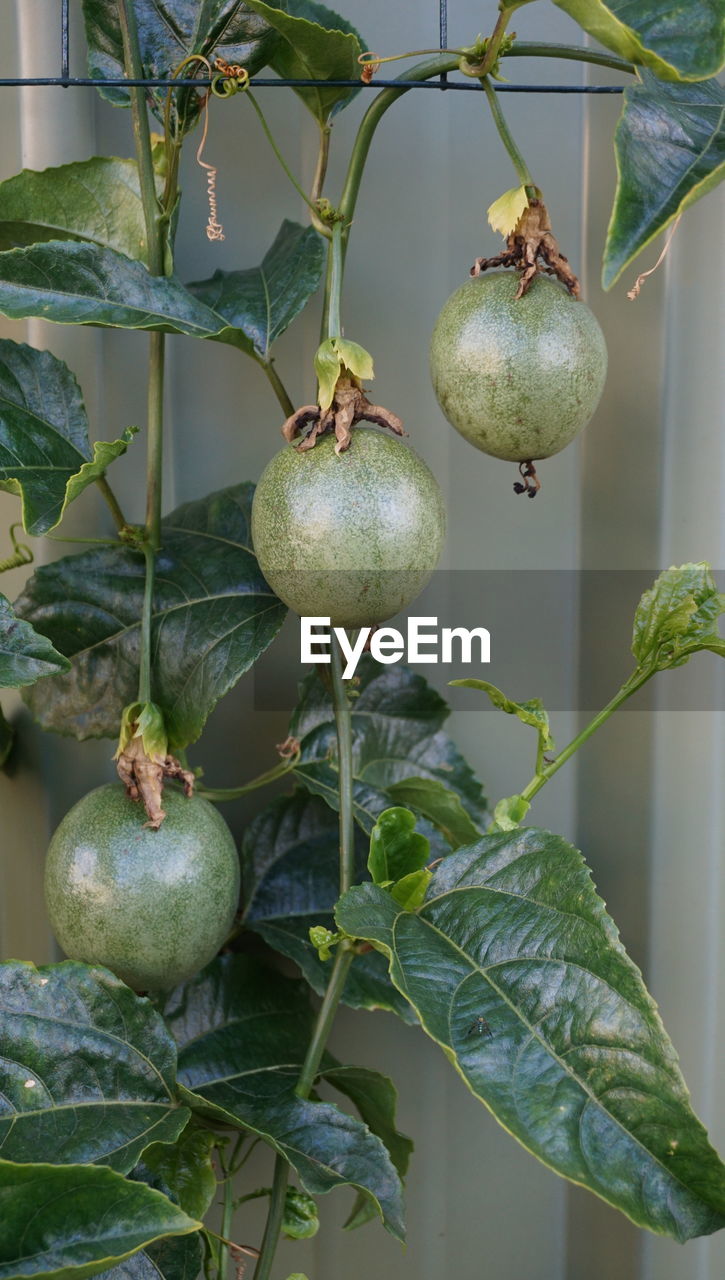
[[66, 82]]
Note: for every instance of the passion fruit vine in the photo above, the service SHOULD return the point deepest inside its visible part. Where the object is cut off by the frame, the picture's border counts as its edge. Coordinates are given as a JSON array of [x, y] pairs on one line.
[[152, 906], [352, 535]]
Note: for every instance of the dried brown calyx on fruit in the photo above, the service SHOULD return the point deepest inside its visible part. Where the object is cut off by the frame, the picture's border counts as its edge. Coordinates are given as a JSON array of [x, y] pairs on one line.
[[532, 249], [349, 406], [143, 761]]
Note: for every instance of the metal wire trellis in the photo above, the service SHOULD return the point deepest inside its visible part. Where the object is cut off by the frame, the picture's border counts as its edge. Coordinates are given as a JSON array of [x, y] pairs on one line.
[[65, 80]]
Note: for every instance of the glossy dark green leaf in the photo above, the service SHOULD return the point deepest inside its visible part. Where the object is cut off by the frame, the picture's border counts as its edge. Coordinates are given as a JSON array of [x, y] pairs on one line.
[[25, 655], [76, 1220], [315, 44], [670, 148], [97, 201], [396, 848], [397, 732], [242, 1033], [185, 1167], [679, 41], [261, 302], [677, 617], [87, 1068], [440, 805], [45, 454], [72, 283], [577, 1064], [169, 30], [173, 1257], [291, 878], [213, 616], [376, 1098]]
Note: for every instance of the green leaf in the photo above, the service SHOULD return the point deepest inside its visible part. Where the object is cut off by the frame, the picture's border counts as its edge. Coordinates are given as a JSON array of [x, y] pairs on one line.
[[25, 655], [355, 358], [316, 44], [670, 150], [503, 215], [376, 1098], [262, 302], [171, 1258], [170, 30], [213, 616], [409, 892], [242, 1032], [45, 454], [72, 283], [531, 712], [186, 1169], [97, 201], [577, 1066], [290, 872], [677, 41], [438, 803], [677, 617], [396, 848], [300, 1220], [87, 1068], [510, 812], [76, 1220], [397, 734], [327, 371]]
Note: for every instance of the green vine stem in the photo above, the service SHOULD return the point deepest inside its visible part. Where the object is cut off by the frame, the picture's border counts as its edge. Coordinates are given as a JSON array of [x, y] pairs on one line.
[[341, 964], [119, 518], [542, 776], [441, 65], [507, 139], [273, 144], [277, 386], [220, 794], [153, 218]]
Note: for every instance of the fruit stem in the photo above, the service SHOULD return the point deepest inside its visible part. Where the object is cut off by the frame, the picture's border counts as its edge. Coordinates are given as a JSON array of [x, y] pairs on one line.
[[441, 65], [219, 795], [507, 138], [333, 324], [542, 776], [154, 215], [341, 964]]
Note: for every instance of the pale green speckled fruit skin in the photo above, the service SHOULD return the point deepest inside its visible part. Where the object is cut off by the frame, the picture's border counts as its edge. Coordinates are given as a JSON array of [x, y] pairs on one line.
[[152, 906], [517, 377], [353, 537]]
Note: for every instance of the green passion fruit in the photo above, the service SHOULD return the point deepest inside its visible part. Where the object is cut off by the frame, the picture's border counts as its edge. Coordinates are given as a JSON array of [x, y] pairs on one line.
[[354, 536], [152, 906], [519, 378]]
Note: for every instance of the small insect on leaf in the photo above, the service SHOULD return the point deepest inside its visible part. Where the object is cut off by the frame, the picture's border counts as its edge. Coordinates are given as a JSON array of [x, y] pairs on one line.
[[480, 1026], [505, 212]]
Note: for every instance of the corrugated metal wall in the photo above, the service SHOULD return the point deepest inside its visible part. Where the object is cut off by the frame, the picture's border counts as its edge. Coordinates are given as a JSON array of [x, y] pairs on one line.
[[644, 489]]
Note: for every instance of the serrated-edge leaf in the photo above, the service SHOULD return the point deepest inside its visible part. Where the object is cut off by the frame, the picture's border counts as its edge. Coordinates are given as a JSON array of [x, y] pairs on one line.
[[504, 213], [451, 959], [531, 712]]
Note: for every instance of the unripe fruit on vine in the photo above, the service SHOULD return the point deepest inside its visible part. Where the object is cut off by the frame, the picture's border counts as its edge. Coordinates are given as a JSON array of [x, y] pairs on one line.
[[152, 906], [519, 378], [353, 537]]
